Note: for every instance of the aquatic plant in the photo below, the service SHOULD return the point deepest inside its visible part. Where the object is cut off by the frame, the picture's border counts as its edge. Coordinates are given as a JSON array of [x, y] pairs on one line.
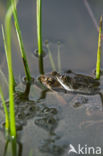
[[39, 26], [99, 51], [7, 45], [10, 148], [6, 113], [18, 31], [41, 65]]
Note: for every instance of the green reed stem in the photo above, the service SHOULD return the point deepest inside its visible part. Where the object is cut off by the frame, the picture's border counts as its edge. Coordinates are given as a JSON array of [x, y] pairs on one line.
[[23, 54], [6, 112], [99, 51], [14, 147], [3, 34], [39, 26], [10, 70]]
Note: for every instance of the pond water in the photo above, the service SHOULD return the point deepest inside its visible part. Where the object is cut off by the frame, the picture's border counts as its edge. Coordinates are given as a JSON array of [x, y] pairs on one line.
[[50, 121]]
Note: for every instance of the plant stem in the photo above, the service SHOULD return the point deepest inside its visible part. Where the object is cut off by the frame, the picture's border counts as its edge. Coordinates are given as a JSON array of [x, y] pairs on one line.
[[41, 65], [99, 51], [10, 71], [6, 112], [39, 27], [23, 54], [5, 47]]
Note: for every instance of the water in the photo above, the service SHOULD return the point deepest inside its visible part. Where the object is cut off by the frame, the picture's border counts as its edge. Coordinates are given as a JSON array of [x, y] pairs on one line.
[[51, 121]]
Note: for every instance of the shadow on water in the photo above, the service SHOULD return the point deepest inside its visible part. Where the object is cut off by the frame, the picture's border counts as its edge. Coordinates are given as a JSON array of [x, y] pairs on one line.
[[10, 148]]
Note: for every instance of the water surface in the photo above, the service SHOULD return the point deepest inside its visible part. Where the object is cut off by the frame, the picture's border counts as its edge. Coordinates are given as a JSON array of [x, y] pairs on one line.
[[51, 121]]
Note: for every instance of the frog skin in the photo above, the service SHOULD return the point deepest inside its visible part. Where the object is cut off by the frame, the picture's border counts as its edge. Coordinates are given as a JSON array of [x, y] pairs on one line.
[[74, 82], [71, 81]]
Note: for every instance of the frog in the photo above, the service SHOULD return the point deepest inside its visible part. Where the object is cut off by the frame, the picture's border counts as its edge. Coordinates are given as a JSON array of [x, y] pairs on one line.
[[71, 81], [78, 89]]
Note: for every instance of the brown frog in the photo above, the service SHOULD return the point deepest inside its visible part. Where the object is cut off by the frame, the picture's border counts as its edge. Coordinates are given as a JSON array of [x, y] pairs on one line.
[[71, 81]]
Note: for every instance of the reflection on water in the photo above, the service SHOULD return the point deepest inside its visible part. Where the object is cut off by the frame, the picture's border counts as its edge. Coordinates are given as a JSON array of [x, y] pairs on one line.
[[12, 148]]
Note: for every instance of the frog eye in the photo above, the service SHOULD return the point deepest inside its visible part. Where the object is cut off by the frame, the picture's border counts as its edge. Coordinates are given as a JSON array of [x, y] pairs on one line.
[[54, 73]]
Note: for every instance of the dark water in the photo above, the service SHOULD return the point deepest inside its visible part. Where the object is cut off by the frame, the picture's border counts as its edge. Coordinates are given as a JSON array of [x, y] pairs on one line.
[[49, 122]]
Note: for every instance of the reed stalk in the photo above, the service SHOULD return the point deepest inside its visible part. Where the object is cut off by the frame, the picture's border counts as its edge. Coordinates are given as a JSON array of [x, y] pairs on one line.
[[10, 70], [99, 51], [41, 65], [6, 112], [4, 40], [39, 27], [19, 36]]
